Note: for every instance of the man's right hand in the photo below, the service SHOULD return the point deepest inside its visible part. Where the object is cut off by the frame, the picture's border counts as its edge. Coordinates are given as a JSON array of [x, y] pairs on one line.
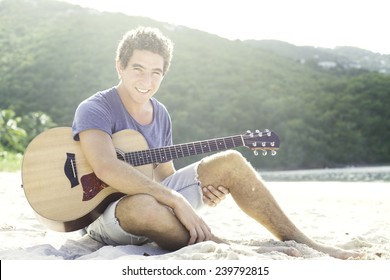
[[197, 228]]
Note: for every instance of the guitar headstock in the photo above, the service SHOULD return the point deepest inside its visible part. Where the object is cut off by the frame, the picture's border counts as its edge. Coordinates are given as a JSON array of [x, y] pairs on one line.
[[264, 140]]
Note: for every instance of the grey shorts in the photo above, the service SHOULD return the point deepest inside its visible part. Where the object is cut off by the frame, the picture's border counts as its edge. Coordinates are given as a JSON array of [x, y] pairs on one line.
[[106, 228]]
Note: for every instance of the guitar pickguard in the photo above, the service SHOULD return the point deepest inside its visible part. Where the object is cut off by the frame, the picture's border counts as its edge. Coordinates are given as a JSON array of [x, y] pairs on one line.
[[92, 185]]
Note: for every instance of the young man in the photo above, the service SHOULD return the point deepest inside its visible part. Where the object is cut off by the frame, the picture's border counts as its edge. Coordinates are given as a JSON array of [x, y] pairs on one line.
[[164, 210]]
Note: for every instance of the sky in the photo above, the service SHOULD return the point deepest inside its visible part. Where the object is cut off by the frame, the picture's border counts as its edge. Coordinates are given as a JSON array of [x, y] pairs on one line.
[[319, 23]]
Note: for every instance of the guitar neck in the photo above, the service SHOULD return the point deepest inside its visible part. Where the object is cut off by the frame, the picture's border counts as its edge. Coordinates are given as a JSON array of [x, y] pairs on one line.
[[160, 155]]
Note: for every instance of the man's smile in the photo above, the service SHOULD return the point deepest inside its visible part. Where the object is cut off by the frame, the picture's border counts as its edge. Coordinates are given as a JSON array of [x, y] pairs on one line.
[[142, 90]]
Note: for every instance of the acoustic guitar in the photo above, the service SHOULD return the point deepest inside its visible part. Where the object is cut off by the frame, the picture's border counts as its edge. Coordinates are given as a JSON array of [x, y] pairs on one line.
[[66, 195]]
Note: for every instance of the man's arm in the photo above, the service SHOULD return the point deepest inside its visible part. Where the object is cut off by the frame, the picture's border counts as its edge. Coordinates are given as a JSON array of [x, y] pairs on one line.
[[163, 170], [100, 152]]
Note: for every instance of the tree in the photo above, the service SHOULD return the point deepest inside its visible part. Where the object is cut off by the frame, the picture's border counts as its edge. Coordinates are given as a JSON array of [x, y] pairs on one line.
[[12, 137]]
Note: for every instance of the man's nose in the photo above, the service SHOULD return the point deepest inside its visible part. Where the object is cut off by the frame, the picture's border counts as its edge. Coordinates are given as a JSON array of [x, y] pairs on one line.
[[147, 79]]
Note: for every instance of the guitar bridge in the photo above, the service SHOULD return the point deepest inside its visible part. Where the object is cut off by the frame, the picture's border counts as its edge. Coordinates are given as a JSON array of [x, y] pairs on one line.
[[70, 170]]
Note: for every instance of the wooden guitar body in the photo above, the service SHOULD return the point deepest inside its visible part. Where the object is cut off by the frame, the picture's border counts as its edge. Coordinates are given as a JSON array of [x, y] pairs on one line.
[[60, 184]]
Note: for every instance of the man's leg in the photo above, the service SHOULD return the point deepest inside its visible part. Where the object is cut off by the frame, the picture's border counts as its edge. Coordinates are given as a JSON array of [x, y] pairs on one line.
[[231, 170], [143, 215]]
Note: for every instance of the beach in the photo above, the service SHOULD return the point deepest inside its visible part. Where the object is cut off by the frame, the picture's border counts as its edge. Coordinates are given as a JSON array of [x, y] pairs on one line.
[[353, 215]]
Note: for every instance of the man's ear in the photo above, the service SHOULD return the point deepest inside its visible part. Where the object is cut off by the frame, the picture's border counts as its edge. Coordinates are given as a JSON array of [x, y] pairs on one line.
[[119, 69]]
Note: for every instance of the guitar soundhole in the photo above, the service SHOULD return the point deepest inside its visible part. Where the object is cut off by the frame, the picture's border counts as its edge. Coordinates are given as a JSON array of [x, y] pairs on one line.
[[92, 185]]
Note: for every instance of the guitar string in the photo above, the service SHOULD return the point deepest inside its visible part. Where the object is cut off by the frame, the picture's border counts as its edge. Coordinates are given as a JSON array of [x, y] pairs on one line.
[[173, 152], [138, 158], [183, 150]]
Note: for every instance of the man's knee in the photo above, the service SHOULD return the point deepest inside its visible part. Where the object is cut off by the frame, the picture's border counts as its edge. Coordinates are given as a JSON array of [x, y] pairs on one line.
[[226, 159], [222, 168]]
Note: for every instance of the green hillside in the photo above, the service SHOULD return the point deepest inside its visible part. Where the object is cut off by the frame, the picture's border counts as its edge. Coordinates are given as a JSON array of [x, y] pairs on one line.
[[53, 55]]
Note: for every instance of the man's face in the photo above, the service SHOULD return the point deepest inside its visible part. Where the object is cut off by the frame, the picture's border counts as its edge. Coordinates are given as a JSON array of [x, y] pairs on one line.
[[143, 75]]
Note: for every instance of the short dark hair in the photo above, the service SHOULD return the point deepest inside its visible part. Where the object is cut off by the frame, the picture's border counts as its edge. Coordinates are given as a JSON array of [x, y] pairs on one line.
[[144, 38]]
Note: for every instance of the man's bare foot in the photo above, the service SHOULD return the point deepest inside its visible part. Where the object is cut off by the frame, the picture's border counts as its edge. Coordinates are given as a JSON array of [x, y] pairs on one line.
[[295, 251], [340, 253], [290, 251], [333, 252]]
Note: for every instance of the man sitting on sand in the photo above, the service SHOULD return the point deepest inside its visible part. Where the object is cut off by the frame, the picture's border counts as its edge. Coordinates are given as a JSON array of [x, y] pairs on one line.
[[164, 210]]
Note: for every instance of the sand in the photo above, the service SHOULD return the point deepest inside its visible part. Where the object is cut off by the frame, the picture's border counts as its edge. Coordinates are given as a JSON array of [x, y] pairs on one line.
[[351, 215]]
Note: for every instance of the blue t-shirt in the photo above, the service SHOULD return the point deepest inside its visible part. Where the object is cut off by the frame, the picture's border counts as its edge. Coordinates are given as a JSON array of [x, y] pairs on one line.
[[105, 111]]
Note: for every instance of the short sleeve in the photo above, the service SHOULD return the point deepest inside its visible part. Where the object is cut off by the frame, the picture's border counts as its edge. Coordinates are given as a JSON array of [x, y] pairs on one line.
[[91, 114]]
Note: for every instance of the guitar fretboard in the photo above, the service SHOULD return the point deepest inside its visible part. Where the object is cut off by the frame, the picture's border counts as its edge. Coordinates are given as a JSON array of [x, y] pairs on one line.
[[160, 155]]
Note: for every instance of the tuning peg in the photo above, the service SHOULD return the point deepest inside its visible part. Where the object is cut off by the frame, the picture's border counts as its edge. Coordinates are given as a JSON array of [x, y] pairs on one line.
[[259, 133], [267, 131], [254, 144], [250, 133], [255, 152], [264, 152], [273, 152]]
